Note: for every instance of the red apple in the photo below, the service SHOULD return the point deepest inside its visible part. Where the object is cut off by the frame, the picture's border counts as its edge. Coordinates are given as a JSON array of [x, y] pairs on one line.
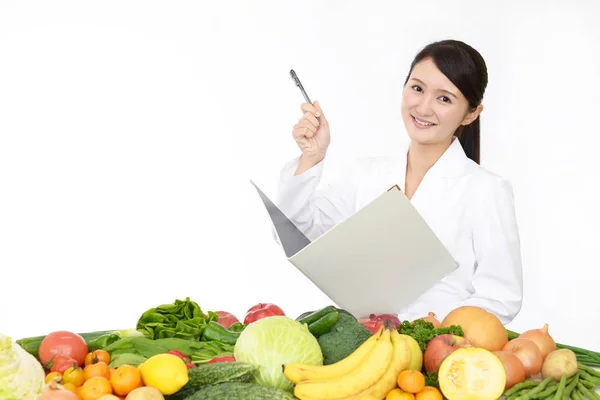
[[374, 322], [226, 319], [439, 347], [371, 325], [260, 311], [382, 317]]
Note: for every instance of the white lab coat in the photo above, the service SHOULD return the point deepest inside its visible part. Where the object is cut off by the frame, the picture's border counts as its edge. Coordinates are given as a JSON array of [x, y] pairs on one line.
[[470, 209]]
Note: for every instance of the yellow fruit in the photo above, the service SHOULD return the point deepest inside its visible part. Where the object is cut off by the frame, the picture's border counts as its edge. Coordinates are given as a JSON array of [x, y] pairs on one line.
[[52, 375], [166, 372], [399, 363], [472, 373], [299, 372], [371, 370], [416, 360]]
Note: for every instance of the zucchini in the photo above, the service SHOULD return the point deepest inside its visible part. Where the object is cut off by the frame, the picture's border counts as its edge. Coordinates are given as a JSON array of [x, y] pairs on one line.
[[309, 318], [324, 324], [240, 391], [221, 372]]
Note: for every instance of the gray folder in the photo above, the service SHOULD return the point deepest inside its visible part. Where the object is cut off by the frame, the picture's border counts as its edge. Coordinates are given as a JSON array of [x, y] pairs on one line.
[[378, 260]]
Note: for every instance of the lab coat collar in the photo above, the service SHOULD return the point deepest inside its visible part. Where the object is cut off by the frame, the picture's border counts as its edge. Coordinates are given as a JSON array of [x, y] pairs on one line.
[[450, 164]]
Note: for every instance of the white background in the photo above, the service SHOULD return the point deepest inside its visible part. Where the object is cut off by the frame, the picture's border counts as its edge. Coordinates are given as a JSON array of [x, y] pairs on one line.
[[129, 132]]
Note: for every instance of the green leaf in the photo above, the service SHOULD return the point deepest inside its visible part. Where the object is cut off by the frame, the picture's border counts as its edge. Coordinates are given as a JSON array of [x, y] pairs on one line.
[[182, 319]]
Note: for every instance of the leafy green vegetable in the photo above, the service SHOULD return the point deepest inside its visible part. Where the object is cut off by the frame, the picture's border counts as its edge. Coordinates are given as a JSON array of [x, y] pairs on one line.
[[21, 375], [181, 319], [432, 380], [274, 341], [206, 351], [126, 358], [423, 331], [147, 348], [345, 337]]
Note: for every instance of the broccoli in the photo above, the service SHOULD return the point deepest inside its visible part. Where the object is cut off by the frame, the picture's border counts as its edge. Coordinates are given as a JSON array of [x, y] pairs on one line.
[[423, 331], [345, 337]]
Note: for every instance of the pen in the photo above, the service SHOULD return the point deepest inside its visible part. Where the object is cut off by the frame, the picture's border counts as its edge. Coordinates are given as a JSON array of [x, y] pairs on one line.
[[299, 84]]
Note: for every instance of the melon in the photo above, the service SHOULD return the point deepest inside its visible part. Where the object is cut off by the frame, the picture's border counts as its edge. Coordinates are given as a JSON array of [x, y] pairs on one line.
[[481, 328], [471, 373]]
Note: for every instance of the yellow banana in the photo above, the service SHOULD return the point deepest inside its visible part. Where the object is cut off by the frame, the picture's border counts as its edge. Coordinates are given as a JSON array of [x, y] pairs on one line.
[[400, 361], [373, 367], [299, 372]]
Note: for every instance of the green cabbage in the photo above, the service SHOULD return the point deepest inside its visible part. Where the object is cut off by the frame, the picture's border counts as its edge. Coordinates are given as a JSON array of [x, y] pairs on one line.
[[21, 375], [273, 341]]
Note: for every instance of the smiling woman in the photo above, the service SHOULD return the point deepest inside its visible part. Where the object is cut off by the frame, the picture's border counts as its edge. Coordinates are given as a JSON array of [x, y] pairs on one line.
[[470, 209]]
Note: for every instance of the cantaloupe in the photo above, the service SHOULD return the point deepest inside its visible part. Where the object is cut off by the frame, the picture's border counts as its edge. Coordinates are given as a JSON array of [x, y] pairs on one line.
[[471, 373], [481, 328]]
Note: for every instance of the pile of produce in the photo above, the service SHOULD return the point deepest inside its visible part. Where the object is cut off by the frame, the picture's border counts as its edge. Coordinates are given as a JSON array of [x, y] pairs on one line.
[[178, 352]]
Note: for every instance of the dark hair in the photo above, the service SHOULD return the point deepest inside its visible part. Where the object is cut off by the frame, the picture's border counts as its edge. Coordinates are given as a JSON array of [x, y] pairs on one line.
[[466, 69]]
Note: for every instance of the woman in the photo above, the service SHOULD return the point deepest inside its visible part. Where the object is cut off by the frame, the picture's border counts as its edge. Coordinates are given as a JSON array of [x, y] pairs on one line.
[[469, 208]]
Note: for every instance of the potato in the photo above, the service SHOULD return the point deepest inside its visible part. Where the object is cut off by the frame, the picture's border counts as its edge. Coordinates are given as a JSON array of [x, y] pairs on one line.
[[145, 393], [558, 363]]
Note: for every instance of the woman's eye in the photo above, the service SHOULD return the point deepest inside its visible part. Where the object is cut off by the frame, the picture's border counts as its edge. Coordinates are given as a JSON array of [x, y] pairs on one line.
[[445, 99], [416, 88]]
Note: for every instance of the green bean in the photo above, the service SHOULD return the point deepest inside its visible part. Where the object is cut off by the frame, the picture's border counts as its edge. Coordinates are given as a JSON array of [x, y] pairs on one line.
[[589, 379], [561, 387], [571, 386], [589, 370], [589, 394], [533, 392], [520, 386]]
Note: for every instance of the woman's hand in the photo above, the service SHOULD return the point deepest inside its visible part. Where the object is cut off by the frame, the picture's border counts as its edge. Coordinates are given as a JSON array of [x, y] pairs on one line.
[[311, 137]]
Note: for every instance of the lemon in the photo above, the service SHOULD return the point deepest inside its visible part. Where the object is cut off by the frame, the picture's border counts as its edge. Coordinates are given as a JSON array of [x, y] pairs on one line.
[[165, 372]]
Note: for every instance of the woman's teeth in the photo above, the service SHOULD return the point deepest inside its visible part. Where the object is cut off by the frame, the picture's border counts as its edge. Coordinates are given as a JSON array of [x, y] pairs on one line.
[[423, 123]]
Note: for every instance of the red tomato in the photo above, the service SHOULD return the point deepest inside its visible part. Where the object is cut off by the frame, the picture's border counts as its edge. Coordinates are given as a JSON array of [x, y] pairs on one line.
[[221, 359], [226, 319], [260, 311], [61, 363], [63, 343]]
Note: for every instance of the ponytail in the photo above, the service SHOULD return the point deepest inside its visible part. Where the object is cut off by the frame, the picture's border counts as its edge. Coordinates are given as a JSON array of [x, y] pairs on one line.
[[469, 139]]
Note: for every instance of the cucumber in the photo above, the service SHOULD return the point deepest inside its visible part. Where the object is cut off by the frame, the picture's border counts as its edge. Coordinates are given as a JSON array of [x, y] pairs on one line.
[[324, 324], [240, 391], [315, 315], [222, 372]]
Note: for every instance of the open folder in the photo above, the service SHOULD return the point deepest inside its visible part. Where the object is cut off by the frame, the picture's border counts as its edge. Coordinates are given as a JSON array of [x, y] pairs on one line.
[[378, 260]]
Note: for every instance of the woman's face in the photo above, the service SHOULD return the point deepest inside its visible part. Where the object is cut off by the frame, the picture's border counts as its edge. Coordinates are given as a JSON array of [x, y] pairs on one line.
[[432, 107]]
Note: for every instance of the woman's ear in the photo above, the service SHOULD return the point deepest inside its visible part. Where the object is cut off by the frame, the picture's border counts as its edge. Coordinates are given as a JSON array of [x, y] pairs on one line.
[[472, 115]]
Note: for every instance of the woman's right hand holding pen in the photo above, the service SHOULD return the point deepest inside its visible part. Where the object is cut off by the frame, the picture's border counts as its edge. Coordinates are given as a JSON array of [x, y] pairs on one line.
[[311, 136]]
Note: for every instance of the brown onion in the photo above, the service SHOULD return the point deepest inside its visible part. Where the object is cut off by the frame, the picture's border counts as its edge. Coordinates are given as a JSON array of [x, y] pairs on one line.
[[542, 338], [431, 317], [528, 353], [55, 391], [515, 371]]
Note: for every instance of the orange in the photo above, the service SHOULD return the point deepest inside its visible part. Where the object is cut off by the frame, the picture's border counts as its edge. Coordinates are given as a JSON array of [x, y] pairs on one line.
[[429, 393], [95, 387], [125, 379], [98, 369], [411, 381], [97, 356], [70, 387], [397, 394]]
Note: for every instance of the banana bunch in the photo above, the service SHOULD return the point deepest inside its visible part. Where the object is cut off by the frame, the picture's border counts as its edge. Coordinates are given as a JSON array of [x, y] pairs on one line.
[[370, 372]]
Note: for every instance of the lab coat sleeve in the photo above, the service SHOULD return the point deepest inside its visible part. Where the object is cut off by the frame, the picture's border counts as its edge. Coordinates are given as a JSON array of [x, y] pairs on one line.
[[315, 210], [498, 278]]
